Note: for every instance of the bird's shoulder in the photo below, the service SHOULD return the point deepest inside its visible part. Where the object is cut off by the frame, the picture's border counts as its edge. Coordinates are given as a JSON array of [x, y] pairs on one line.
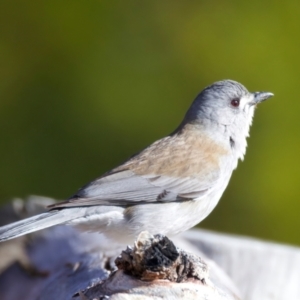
[[185, 153]]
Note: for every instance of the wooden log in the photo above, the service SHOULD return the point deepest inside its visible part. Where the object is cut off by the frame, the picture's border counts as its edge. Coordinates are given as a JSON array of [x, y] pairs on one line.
[[61, 263]]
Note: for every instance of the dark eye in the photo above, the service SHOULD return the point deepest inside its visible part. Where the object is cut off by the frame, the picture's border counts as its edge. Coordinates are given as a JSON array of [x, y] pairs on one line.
[[235, 102]]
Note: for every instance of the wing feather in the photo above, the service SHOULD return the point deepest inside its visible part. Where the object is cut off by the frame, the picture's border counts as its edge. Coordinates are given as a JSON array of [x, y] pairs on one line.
[[127, 188], [175, 168]]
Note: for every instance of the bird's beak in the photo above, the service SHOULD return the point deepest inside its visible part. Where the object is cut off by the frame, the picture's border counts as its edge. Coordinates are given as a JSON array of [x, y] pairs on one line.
[[260, 97]]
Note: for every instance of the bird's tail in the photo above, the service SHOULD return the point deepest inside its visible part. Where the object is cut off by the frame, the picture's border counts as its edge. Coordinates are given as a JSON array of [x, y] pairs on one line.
[[35, 223]]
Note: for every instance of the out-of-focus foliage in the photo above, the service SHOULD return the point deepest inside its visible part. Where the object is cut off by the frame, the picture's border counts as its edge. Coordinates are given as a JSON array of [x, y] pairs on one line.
[[84, 84]]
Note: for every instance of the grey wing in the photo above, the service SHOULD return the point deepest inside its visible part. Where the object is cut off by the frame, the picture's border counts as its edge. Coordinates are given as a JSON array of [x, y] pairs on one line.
[[126, 188]]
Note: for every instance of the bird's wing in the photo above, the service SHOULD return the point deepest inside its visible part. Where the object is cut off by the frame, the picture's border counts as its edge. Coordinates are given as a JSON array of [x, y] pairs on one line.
[[176, 168], [127, 188]]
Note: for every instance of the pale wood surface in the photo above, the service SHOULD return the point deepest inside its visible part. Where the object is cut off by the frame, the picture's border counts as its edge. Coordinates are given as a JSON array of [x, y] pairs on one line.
[[59, 262]]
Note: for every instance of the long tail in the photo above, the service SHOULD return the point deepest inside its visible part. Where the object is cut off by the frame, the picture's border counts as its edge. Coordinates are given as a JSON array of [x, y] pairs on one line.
[[35, 223]]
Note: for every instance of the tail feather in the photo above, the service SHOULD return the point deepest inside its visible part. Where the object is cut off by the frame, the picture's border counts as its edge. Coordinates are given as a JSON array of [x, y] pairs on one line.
[[35, 223]]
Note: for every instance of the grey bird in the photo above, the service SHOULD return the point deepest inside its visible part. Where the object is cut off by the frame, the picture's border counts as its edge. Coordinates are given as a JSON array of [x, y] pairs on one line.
[[171, 185]]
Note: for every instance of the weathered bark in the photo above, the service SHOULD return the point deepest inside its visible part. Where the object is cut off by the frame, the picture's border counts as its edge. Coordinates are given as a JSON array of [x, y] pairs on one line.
[[60, 263]]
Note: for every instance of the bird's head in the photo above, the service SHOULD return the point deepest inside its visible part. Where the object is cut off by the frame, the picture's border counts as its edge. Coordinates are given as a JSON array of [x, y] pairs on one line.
[[226, 107]]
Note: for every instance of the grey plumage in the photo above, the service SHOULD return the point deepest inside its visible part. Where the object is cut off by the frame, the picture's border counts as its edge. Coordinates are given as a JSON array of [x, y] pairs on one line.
[[169, 186], [36, 223]]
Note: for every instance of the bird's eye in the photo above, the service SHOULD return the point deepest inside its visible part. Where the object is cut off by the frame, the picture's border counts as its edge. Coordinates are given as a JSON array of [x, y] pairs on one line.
[[235, 102]]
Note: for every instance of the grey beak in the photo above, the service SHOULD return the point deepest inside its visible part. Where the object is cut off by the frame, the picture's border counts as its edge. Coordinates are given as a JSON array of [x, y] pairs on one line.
[[260, 97]]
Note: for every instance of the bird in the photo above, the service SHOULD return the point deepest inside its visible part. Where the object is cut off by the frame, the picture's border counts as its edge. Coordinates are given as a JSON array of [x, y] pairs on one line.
[[171, 185]]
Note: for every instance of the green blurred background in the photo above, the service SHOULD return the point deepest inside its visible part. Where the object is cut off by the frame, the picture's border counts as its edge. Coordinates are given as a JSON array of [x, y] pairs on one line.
[[84, 84]]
